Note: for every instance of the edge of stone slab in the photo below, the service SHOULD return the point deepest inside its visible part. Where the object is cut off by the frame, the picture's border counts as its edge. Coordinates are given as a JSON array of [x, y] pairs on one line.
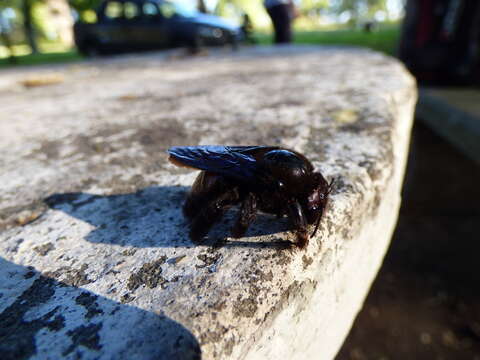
[[338, 300], [303, 287]]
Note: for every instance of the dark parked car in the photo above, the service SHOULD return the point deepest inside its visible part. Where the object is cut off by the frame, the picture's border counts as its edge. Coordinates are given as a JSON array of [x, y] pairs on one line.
[[136, 25]]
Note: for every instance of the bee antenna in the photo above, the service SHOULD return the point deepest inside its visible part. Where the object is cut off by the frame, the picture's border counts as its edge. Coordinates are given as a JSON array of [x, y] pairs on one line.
[[330, 186], [329, 190], [319, 217]]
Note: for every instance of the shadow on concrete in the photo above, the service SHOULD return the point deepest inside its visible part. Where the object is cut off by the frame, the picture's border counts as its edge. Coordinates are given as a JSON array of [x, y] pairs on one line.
[[45, 318], [152, 217]]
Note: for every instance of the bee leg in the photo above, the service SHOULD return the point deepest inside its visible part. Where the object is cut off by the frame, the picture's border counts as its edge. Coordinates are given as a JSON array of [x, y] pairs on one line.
[[207, 187], [211, 213], [248, 213], [299, 221]]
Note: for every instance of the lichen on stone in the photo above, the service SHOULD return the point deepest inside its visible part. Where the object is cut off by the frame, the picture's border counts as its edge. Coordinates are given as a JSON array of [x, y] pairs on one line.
[[88, 301], [17, 336], [44, 249], [84, 335], [148, 275]]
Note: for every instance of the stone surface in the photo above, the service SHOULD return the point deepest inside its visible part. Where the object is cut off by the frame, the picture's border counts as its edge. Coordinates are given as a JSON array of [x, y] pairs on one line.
[[96, 262]]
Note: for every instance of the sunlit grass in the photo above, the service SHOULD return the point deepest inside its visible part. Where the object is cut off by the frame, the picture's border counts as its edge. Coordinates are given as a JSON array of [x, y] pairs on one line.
[[48, 53], [42, 58], [383, 39], [18, 50]]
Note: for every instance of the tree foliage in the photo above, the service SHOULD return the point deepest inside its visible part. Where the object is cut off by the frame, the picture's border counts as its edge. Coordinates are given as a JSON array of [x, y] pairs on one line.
[[313, 7], [355, 10], [358, 10]]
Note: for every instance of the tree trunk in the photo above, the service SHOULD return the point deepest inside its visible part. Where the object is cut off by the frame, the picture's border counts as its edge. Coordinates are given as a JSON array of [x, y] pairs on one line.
[[201, 6], [61, 20], [28, 25]]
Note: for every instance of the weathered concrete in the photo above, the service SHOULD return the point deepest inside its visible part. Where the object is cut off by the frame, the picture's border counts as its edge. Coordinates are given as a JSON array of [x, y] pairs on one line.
[[97, 263]]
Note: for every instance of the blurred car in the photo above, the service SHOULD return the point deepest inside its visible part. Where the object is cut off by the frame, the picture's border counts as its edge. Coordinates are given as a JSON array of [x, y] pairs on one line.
[[138, 25]]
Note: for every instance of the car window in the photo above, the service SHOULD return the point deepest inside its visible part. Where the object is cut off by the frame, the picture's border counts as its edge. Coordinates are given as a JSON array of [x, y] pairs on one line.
[[114, 10], [150, 10], [130, 11], [182, 9], [167, 9]]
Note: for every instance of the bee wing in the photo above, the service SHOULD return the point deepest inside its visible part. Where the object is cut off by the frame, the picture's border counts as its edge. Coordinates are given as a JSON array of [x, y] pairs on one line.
[[236, 161], [252, 150]]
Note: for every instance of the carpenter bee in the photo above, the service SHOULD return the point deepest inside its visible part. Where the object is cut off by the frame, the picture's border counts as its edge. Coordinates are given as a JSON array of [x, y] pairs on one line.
[[271, 179]]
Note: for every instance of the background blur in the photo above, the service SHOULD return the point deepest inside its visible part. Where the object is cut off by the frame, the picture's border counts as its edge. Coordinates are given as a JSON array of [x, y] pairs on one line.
[[425, 302], [41, 30]]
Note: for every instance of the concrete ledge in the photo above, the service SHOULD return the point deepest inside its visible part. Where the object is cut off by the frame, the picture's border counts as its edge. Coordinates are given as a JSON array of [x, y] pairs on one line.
[[96, 259]]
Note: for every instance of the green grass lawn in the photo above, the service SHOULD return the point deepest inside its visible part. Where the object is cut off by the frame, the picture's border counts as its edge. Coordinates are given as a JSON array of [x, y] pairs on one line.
[[42, 58], [383, 39]]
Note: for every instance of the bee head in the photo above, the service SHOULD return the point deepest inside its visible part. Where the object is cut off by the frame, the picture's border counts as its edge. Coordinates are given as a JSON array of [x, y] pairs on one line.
[[317, 199]]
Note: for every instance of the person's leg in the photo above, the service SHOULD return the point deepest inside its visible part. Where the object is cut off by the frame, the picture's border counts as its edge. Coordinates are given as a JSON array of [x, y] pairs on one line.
[[285, 33], [281, 23]]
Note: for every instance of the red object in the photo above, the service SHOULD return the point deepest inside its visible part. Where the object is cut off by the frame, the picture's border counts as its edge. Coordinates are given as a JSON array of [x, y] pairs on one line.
[[440, 41]]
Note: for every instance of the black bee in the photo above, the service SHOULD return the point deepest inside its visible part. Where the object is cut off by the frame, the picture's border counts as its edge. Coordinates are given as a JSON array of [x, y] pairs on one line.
[[271, 179]]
